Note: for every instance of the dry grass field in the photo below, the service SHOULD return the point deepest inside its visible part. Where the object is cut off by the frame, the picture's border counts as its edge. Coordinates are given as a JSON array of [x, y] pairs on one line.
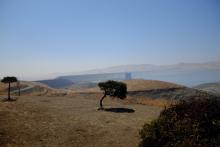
[[49, 117], [146, 92], [72, 121]]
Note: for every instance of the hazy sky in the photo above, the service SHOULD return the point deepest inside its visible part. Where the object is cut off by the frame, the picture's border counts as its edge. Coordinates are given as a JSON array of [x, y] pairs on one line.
[[40, 37]]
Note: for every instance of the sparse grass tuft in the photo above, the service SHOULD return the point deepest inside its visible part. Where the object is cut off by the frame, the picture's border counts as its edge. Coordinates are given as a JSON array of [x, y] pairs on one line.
[[150, 101]]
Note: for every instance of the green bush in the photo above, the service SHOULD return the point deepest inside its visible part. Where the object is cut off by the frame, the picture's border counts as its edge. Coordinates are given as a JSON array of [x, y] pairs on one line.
[[189, 123], [112, 89]]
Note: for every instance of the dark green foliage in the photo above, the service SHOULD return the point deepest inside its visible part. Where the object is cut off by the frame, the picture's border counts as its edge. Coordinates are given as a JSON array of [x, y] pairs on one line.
[[191, 123], [113, 89], [9, 80]]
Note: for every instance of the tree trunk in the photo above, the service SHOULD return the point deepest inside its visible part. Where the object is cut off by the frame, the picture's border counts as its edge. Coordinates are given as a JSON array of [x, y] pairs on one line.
[[19, 92], [19, 89], [9, 89], [102, 100]]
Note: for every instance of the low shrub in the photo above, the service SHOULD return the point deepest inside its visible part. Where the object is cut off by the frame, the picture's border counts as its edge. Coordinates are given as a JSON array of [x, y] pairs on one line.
[[188, 123]]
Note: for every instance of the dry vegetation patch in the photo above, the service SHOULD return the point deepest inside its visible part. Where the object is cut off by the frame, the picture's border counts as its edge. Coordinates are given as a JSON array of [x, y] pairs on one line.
[[71, 121]]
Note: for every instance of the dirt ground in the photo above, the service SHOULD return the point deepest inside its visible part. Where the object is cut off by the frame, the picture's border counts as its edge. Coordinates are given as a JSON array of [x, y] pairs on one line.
[[72, 122]]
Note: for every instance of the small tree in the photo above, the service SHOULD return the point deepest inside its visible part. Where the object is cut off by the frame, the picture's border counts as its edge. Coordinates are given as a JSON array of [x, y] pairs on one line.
[[113, 89], [9, 80]]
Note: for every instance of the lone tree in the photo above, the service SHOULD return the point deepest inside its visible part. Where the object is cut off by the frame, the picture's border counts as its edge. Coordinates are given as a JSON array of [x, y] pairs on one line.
[[9, 80], [113, 89]]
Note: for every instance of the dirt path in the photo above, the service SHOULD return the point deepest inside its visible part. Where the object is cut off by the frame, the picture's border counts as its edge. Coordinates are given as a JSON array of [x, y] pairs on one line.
[[23, 89], [73, 121]]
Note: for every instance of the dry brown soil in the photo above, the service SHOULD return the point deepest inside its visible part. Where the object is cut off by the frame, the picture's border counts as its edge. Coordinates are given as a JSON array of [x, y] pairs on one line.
[[71, 122]]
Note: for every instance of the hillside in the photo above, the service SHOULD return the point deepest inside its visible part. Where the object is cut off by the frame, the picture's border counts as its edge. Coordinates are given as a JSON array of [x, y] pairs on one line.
[[57, 83], [141, 91], [140, 85], [4, 87], [210, 87], [32, 89], [144, 85], [138, 90], [149, 92]]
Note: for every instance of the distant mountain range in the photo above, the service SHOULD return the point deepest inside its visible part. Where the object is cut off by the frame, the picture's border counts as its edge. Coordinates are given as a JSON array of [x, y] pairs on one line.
[[150, 67], [189, 74]]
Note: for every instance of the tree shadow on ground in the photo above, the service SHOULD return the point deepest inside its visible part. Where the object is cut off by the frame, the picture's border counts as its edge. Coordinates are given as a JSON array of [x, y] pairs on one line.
[[119, 110]]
